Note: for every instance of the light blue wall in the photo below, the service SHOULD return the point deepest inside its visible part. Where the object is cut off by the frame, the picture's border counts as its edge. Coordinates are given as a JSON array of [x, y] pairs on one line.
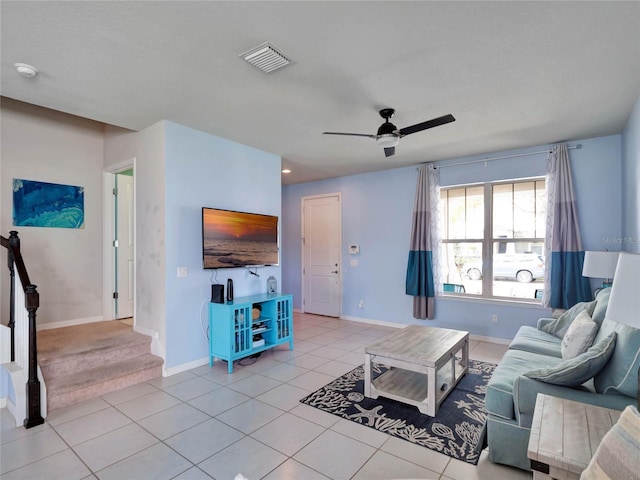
[[375, 216], [377, 210], [207, 171], [6, 387], [631, 182]]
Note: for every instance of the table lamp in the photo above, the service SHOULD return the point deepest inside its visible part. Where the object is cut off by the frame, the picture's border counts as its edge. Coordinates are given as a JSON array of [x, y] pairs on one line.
[[624, 302], [600, 265]]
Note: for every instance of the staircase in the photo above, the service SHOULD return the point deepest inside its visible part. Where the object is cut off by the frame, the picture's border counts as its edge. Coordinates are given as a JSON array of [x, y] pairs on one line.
[[89, 360]]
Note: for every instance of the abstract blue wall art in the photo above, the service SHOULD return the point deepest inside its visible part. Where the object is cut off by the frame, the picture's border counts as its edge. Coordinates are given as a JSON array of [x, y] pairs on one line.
[[42, 204]]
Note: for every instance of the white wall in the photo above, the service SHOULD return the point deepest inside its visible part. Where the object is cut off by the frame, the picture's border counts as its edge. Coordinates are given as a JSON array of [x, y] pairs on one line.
[[66, 264], [631, 183], [148, 149]]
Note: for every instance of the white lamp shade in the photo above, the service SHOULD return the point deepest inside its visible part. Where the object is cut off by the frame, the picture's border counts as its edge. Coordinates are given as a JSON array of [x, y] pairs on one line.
[[624, 302], [600, 264]]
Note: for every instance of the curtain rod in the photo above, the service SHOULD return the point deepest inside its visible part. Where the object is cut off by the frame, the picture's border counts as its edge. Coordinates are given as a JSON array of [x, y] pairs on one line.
[[485, 160]]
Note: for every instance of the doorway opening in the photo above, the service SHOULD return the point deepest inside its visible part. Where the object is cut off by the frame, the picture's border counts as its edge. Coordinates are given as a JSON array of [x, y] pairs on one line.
[[119, 240]]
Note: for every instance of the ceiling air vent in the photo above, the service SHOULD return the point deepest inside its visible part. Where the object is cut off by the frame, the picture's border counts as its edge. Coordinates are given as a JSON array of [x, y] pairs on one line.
[[266, 57]]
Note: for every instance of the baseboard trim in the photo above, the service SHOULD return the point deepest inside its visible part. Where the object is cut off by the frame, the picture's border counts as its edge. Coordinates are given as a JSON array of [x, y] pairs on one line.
[[380, 323], [478, 338], [13, 410], [167, 372], [69, 323], [482, 338], [146, 331], [157, 348]]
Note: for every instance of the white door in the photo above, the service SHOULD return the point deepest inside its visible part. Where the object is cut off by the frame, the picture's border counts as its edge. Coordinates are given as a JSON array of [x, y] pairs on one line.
[[321, 247], [124, 250]]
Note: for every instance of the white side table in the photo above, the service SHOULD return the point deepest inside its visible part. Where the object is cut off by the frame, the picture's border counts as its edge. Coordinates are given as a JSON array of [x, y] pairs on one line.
[[564, 436]]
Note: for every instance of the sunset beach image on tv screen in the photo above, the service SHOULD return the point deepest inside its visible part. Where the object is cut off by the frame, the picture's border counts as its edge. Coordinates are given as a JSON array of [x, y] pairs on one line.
[[237, 239]]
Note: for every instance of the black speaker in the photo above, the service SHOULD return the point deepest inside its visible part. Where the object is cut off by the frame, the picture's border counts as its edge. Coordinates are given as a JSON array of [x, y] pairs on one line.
[[217, 293], [230, 290]]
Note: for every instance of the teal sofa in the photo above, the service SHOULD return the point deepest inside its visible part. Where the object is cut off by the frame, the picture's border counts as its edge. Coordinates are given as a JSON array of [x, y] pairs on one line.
[[511, 391]]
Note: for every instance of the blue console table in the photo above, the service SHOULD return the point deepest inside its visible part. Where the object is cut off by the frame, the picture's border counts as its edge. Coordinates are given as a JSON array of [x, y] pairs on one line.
[[234, 334]]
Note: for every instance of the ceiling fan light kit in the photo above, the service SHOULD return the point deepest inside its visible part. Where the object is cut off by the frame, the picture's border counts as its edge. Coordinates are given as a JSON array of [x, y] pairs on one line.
[[388, 136], [26, 70], [387, 140]]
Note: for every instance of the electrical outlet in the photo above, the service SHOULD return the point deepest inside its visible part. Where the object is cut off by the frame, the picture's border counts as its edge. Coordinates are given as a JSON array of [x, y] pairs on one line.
[[182, 272], [494, 318], [361, 304]]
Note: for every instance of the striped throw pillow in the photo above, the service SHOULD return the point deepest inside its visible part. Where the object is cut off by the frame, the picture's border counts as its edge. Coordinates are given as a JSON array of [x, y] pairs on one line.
[[618, 455]]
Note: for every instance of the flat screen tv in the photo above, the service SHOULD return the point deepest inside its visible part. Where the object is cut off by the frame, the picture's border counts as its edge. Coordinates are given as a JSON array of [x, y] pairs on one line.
[[238, 239]]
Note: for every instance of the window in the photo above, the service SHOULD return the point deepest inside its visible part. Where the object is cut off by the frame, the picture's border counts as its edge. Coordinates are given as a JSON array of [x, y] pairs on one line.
[[493, 238]]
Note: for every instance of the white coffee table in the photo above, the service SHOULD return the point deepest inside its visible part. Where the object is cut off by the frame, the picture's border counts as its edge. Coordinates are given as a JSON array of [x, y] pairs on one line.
[[423, 365]]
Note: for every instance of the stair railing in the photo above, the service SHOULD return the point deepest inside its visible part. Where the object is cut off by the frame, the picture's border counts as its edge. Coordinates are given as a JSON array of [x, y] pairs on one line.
[[23, 321]]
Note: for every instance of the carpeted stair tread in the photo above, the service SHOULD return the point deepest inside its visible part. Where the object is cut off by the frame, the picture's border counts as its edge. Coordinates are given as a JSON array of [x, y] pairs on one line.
[[76, 362], [59, 343], [69, 389], [86, 361], [97, 375]]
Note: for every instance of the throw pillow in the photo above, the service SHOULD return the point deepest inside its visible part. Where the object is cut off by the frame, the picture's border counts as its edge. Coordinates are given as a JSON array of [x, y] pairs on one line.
[[617, 455], [561, 324], [579, 336], [577, 370], [620, 374]]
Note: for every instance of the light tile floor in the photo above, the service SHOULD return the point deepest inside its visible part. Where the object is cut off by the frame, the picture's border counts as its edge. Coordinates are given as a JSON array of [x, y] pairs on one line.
[[204, 424]]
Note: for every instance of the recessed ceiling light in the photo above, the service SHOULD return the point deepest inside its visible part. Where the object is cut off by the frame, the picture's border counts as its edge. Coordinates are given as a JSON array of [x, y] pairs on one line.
[[26, 70], [286, 170]]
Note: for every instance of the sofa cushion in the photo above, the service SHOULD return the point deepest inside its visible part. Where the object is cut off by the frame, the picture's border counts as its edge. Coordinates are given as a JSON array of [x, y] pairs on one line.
[[560, 326], [530, 339], [620, 374], [579, 336], [499, 397], [617, 455], [577, 370]]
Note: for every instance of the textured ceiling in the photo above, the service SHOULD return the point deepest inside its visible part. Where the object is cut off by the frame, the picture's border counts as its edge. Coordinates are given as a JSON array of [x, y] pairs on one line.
[[514, 74]]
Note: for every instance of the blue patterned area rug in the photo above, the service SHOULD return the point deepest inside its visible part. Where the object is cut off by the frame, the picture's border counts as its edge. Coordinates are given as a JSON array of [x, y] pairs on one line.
[[454, 431]]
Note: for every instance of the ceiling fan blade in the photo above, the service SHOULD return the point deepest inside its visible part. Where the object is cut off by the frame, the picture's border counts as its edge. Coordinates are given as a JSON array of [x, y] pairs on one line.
[[388, 151], [418, 127], [350, 134]]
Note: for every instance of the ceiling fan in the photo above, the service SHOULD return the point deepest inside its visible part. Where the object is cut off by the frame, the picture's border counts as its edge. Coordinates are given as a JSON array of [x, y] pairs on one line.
[[388, 135]]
